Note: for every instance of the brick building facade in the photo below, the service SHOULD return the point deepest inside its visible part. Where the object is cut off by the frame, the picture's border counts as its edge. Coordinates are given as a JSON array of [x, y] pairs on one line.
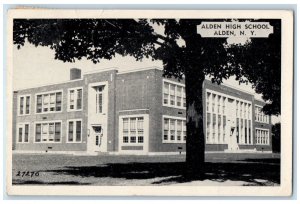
[[134, 112]]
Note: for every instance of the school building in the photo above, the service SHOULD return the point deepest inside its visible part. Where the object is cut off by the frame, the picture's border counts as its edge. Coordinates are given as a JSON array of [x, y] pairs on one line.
[[133, 112]]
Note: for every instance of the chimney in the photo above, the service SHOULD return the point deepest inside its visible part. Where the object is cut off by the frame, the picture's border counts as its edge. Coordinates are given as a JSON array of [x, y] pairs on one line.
[[75, 73]]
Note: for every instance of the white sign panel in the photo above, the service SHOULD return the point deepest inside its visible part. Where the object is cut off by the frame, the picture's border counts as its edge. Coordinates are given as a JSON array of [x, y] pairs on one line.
[[235, 29]]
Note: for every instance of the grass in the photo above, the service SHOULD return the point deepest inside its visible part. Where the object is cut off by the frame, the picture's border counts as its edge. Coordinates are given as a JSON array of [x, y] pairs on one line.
[[221, 169]]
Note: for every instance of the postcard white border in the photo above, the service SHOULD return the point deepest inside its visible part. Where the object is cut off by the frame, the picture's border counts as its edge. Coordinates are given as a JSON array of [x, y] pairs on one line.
[[285, 187]]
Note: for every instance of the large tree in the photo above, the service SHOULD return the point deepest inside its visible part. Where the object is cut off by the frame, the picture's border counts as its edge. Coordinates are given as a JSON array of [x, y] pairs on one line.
[[97, 39]]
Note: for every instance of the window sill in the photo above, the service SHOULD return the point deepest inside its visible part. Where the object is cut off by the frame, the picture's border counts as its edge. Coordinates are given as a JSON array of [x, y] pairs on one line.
[[178, 107], [173, 142], [48, 112]]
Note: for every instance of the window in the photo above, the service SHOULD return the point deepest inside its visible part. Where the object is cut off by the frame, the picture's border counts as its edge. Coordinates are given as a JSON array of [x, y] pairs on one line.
[[183, 97], [237, 109], [219, 128], [24, 105], [58, 101], [99, 99], [173, 94], [184, 131], [237, 130], [74, 131], [214, 128], [140, 129], [21, 105], [224, 101], [75, 99], [125, 130], [213, 102], [52, 102], [219, 104], [39, 104], [179, 130], [23, 133], [241, 130], [260, 116], [208, 122], [48, 132], [262, 136], [166, 129], [49, 102], [249, 129], [133, 130], [249, 111], [27, 107], [207, 101], [179, 96], [174, 130], [246, 133], [241, 109], [224, 127], [166, 93]]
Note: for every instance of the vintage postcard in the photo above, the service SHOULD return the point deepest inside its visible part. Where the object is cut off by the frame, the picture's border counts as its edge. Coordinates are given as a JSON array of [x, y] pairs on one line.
[[156, 103]]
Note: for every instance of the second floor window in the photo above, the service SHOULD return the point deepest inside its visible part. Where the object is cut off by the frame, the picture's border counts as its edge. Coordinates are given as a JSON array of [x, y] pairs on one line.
[[99, 99], [173, 95], [260, 116], [75, 99], [50, 102], [24, 105]]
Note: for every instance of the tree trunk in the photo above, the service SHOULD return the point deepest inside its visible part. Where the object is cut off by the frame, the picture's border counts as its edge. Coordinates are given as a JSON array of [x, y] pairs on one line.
[[194, 78], [195, 142]]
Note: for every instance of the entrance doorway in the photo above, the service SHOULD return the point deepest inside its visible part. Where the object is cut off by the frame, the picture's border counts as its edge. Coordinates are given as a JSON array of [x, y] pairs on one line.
[[97, 117], [97, 138], [231, 127]]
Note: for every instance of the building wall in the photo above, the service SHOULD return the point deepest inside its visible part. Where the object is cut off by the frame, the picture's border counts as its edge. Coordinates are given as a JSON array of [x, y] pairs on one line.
[[131, 93], [14, 119], [135, 94], [64, 115], [157, 144], [40, 117], [268, 126], [231, 92], [110, 77]]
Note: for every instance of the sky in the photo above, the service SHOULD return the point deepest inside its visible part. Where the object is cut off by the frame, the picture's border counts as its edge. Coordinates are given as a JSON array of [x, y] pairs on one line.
[[34, 66]]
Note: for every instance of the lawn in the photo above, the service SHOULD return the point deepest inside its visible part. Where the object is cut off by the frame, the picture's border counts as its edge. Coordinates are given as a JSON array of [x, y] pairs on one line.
[[221, 169]]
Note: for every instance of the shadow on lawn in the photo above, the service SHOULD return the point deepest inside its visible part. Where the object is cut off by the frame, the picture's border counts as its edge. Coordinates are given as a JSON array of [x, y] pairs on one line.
[[254, 171]]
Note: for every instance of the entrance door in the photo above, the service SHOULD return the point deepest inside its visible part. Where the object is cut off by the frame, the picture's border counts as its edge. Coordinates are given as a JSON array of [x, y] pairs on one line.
[[97, 117], [97, 138], [231, 127]]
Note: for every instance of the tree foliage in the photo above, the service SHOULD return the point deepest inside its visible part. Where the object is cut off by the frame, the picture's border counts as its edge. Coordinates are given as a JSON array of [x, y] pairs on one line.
[[260, 64], [258, 61]]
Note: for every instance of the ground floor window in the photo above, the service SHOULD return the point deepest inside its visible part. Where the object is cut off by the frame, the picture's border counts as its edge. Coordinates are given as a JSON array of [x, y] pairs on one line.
[[48, 132], [174, 130], [23, 133], [262, 136], [133, 130], [74, 131]]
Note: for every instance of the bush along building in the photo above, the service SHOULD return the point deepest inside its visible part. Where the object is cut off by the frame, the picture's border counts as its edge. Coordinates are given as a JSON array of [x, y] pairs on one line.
[[133, 112]]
